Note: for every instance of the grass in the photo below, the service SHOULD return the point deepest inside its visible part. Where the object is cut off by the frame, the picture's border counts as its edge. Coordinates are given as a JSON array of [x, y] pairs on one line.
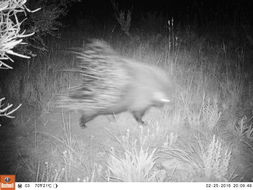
[[132, 162], [197, 139]]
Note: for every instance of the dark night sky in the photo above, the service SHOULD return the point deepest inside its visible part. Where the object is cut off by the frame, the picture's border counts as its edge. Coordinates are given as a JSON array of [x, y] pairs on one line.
[[180, 9]]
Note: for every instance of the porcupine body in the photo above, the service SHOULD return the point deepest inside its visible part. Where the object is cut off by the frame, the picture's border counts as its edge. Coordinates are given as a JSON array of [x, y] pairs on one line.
[[113, 84]]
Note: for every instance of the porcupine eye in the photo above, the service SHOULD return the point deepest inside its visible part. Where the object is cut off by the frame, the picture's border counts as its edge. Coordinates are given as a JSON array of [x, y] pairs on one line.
[[161, 97]]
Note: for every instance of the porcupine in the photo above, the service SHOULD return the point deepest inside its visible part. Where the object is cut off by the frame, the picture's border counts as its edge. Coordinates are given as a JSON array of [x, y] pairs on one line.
[[113, 84]]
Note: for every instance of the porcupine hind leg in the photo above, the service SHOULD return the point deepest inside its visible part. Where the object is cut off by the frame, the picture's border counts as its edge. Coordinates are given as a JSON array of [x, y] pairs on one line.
[[84, 119], [138, 116]]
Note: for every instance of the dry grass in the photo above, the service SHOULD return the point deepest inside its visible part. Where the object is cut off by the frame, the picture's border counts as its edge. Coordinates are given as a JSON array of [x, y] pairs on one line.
[[179, 143]]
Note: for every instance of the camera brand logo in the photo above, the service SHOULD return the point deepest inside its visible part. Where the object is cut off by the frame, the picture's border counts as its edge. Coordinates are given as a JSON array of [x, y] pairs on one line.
[[7, 182]]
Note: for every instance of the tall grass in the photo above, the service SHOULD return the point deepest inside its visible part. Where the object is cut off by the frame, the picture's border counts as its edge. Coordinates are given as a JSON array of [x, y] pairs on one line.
[[183, 142]]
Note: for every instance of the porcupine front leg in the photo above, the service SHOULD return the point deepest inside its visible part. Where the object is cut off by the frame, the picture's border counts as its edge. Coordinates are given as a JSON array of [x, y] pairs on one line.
[[83, 122], [138, 116]]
